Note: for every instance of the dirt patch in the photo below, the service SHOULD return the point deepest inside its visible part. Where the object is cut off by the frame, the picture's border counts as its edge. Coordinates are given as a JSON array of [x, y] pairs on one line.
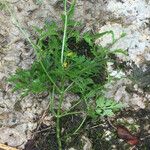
[[100, 133]]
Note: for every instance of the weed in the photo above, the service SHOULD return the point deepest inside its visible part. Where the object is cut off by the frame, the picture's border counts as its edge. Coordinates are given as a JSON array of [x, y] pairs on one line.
[[67, 61], [105, 107], [2, 5], [38, 2]]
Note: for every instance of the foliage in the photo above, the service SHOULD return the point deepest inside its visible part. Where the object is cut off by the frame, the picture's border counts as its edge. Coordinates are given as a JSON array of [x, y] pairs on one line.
[[38, 2], [75, 64], [105, 107], [2, 5]]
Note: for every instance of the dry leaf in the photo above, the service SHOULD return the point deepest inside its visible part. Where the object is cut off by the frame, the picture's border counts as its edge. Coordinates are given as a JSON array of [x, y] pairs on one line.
[[126, 135]]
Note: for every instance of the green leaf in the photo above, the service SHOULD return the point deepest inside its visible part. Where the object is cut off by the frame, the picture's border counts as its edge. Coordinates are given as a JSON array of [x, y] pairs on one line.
[[107, 107], [108, 112], [91, 112], [99, 111], [120, 51], [100, 102], [99, 35], [123, 34], [88, 38], [70, 13]]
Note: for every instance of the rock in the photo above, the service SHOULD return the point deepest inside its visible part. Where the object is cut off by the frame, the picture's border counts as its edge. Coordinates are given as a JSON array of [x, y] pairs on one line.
[[86, 142], [12, 137]]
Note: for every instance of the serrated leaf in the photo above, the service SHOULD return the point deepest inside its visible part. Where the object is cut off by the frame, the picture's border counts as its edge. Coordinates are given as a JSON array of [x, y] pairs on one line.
[[108, 112], [100, 102], [70, 13], [99, 35], [120, 51], [88, 38], [99, 111]]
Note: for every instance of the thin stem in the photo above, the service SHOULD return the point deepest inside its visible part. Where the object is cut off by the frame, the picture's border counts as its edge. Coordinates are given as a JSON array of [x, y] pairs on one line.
[[58, 130], [51, 80], [58, 116], [62, 61], [71, 113], [58, 133], [65, 31], [75, 132], [69, 87], [73, 106], [52, 102]]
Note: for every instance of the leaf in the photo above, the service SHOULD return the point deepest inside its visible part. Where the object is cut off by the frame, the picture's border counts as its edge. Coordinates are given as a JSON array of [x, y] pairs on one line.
[[91, 112], [100, 102], [99, 35], [91, 94], [108, 103], [107, 107], [99, 111], [88, 38], [120, 51], [123, 34], [70, 13], [126, 135], [108, 112]]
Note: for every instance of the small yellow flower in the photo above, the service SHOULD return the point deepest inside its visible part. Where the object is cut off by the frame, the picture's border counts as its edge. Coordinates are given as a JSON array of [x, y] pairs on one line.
[[70, 54], [65, 64]]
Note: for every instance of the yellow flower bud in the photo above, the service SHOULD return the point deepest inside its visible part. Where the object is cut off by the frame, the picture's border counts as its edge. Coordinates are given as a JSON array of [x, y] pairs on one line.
[[65, 64], [70, 54]]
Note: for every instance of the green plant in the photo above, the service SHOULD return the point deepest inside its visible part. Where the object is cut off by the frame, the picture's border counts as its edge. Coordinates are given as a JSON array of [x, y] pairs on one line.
[[67, 61], [38, 2], [2, 5], [106, 107]]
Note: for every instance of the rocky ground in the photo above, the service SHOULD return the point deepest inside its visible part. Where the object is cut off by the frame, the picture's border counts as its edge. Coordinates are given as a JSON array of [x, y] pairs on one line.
[[19, 118]]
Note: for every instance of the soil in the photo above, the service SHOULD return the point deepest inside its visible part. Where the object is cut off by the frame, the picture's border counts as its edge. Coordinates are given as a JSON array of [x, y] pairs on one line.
[[95, 131]]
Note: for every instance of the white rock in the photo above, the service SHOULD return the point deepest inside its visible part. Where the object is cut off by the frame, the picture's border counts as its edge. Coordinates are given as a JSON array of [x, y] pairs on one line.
[[12, 137]]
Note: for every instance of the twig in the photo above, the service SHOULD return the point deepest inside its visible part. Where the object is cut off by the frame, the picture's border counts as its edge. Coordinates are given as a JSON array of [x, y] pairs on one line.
[[111, 123], [43, 130], [75, 132]]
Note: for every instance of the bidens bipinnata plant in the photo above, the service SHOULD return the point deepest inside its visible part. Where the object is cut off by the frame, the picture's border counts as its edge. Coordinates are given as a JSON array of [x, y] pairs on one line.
[[68, 61]]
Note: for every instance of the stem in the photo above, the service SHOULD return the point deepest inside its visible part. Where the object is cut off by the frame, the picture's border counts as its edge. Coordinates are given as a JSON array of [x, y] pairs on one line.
[[80, 126], [52, 102], [71, 113], [58, 116], [65, 31], [73, 106], [58, 130], [51, 80], [69, 87]]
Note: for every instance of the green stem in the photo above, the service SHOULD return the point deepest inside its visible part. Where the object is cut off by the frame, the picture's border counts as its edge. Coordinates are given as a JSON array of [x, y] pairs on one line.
[[65, 31], [58, 116], [69, 86], [52, 102], [58, 130], [73, 106], [51, 80], [71, 113], [75, 132]]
